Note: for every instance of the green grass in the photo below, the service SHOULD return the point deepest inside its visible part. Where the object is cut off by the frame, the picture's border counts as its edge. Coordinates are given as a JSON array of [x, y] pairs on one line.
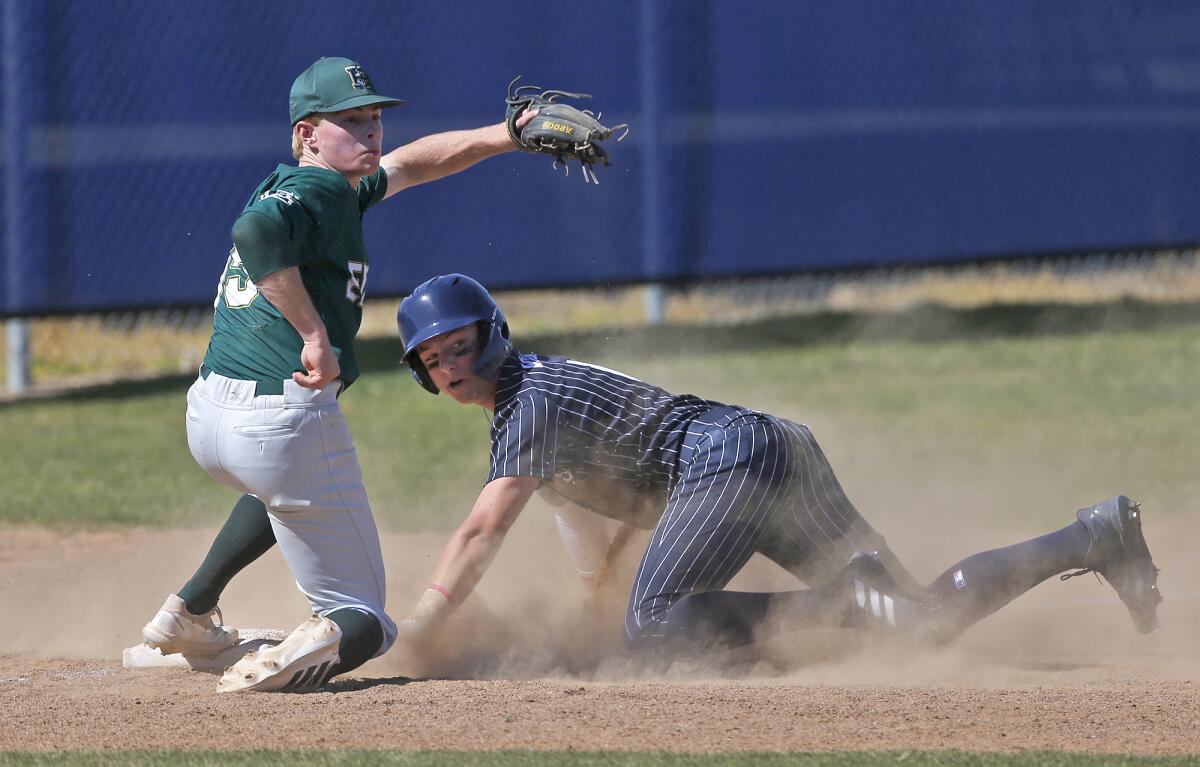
[[580, 759], [1084, 400]]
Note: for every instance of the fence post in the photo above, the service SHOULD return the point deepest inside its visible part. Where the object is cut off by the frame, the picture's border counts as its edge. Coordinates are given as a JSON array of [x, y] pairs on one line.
[[653, 299], [17, 337], [16, 161]]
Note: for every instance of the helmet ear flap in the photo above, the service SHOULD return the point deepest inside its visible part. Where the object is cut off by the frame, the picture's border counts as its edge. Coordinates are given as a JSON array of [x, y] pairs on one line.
[[420, 374], [495, 346]]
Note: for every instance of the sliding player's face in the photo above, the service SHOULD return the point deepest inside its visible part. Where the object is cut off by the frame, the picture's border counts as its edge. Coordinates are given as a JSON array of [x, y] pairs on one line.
[[449, 359]]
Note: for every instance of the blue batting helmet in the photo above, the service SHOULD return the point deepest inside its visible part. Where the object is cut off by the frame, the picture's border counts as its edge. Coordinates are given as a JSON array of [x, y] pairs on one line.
[[448, 303]]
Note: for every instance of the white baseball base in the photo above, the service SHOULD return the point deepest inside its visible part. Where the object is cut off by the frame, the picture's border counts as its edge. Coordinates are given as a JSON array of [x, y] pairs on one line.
[[145, 656]]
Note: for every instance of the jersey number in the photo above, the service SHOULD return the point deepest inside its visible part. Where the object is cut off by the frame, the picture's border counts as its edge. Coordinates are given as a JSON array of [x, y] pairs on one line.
[[239, 291], [235, 285], [356, 286]]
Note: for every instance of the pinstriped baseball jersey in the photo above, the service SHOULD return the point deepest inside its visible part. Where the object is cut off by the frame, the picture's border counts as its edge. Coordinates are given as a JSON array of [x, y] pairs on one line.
[[592, 433], [717, 483]]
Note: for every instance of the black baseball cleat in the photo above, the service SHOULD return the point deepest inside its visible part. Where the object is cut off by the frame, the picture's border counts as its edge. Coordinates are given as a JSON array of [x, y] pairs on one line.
[[875, 601], [1119, 553]]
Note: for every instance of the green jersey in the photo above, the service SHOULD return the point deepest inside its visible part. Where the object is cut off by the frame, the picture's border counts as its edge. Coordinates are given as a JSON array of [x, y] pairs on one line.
[[305, 217]]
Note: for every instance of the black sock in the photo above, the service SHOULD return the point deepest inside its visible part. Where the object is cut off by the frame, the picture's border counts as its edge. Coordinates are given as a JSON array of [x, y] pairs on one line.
[[983, 583], [706, 618], [732, 618], [361, 638], [245, 537]]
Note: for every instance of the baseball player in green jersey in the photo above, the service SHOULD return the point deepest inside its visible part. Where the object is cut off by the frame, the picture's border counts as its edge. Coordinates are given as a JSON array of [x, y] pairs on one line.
[[263, 415]]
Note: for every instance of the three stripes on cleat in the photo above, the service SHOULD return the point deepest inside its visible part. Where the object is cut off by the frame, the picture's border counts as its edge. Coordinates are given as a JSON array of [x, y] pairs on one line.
[[311, 678], [881, 605]]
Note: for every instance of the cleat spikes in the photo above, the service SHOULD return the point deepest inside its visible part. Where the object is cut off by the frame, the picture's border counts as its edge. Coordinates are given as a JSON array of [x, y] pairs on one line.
[[301, 662], [1118, 552]]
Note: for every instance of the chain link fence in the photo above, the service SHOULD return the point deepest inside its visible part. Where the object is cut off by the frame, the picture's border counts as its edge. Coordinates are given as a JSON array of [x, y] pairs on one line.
[[77, 351], [778, 136]]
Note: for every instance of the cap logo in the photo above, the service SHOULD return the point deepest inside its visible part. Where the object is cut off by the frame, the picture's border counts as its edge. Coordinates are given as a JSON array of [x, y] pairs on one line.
[[359, 78]]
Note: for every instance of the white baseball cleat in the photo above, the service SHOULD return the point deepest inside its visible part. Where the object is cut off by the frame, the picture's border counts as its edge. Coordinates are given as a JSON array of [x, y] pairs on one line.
[[174, 630], [300, 663]]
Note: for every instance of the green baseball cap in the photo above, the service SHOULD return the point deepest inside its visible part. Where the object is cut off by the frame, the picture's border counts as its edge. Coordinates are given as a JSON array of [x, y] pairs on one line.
[[331, 85]]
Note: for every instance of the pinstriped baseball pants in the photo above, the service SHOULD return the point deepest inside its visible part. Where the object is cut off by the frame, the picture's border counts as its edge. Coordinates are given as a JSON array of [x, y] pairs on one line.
[[749, 483]]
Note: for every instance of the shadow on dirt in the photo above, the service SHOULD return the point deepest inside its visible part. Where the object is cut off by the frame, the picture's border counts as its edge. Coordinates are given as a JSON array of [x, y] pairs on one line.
[[355, 685]]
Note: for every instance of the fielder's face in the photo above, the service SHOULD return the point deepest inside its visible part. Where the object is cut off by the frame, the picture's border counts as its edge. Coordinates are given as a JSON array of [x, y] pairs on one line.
[[349, 141], [449, 358]]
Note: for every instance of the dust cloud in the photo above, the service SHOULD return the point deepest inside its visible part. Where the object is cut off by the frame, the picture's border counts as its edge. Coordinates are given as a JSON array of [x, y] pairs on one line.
[[87, 594]]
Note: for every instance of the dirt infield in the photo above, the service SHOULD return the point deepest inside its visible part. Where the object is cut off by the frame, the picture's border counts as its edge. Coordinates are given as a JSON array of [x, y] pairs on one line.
[[95, 704], [1060, 669]]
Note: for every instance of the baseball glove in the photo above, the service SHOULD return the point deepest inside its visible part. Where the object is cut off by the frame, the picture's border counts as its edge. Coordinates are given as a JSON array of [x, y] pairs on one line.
[[559, 130]]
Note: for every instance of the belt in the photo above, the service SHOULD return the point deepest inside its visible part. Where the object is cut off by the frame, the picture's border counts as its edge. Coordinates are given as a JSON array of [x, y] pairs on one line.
[[261, 388]]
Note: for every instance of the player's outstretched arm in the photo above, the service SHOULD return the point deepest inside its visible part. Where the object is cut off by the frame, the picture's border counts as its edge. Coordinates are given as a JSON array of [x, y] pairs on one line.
[[444, 154], [470, 551]]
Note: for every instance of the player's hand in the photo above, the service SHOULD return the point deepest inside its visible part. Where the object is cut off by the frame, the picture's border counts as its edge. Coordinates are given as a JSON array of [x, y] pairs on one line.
[[430, 612], [320, 364], [416, 648], [413, 631], [526, 118]]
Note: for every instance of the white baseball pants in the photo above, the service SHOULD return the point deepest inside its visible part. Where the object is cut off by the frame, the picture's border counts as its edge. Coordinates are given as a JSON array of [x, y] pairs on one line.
[[294, 452]]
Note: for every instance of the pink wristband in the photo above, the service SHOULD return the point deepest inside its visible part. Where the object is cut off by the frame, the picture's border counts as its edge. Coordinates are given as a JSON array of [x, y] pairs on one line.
[[439, 588]]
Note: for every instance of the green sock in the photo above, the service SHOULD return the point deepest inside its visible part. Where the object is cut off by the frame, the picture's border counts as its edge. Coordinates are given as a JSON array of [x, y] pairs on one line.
[[361, 638], [245, 537]]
